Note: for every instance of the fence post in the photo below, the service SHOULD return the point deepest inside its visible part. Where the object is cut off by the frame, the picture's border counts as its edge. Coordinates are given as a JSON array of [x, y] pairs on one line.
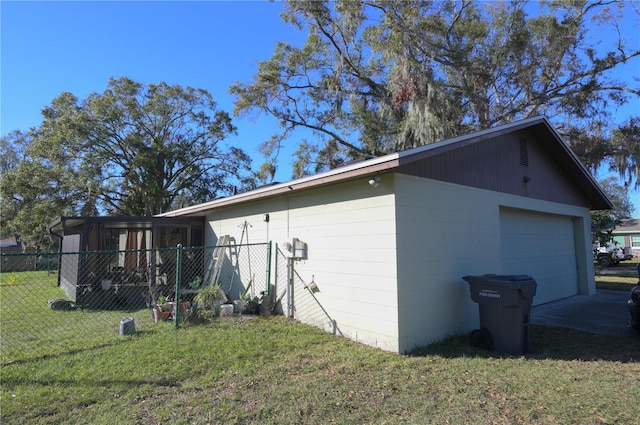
[[290, 282], [176, 314], [269, 270]]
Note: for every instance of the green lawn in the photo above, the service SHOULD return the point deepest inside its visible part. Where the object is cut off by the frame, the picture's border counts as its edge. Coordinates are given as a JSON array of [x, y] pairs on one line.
[[622, 277], [277, 371]]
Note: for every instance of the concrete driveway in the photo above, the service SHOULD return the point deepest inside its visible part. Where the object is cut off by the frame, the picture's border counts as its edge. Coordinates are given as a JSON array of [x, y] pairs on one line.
[[604, 313]]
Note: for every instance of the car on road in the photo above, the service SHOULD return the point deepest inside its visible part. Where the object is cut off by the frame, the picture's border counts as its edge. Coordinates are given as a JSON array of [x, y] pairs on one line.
[[611, 255]]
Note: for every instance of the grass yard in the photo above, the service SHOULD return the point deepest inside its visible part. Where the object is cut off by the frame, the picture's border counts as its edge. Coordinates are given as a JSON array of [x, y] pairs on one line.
[[278, 371], [30, 327], [622, 277]]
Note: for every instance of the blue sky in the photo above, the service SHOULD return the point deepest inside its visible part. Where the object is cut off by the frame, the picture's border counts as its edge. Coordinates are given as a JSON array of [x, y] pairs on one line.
[[51, 47]]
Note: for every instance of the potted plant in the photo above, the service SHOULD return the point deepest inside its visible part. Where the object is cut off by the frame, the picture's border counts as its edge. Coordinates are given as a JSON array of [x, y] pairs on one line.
[[209, 299], [163, 303], [162, 309], [241, 303], [253, 305]]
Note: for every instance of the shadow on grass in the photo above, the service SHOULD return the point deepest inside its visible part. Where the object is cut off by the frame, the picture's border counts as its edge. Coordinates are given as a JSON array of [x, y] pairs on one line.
[[160, 382], [548, 343], [78, 350]]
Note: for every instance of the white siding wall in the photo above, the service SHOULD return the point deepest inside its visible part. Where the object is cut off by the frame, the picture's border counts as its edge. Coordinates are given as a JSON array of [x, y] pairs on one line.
[[447, 231], [388, 294], [350, 232]]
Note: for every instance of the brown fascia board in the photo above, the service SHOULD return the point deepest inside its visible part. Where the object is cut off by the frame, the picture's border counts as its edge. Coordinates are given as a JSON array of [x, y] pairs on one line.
[[353, 171], [65, 223], [389, 162], [348, 172], [575, 169]]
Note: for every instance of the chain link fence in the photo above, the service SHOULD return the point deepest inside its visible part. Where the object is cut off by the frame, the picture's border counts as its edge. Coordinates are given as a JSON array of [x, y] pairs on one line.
[[59, 302], [298, 298], [305, 305]]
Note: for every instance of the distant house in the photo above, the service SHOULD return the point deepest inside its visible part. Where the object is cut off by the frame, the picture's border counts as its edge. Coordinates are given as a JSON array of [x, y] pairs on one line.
[[10, 244], [13, 245], [387, 240], [628, 235], [115, 248]]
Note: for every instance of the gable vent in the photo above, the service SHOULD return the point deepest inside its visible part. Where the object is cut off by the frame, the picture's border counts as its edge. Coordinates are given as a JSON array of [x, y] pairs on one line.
[[524, 153]]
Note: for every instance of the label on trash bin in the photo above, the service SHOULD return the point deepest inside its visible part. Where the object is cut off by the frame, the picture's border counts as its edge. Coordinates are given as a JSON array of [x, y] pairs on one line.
[[488, 293]]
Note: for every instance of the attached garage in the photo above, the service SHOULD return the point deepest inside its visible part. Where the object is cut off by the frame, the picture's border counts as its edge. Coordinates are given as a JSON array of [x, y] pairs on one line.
[[389, 239], [540, 245]]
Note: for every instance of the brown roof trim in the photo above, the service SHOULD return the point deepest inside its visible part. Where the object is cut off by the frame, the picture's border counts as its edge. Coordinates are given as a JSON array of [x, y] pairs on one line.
[[341, 174], [66, 222], [539, 125]]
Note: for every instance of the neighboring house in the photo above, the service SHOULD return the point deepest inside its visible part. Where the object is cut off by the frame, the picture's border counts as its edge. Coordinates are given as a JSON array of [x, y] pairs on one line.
[[10, 244], [628, 235], [115, 238], [13, 245], [389, 239]]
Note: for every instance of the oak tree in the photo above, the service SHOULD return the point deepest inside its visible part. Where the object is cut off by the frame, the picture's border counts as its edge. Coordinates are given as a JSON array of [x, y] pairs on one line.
[[133, 149], [374, 77]]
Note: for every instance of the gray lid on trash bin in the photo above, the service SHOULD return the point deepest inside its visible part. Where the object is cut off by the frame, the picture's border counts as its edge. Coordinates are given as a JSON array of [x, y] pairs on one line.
[[524, 285], [503, 279]]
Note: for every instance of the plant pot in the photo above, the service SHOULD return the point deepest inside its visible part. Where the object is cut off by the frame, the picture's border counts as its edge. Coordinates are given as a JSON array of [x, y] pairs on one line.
[[240, 306], [226, 310], [166, 306], [160, 315], [105, 284]]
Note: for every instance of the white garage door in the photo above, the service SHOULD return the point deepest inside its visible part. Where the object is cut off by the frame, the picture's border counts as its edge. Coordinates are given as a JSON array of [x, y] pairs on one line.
[[543, 247]]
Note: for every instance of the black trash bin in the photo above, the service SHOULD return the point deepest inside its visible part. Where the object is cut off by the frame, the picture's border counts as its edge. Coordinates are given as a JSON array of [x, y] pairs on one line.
[[505, 306]]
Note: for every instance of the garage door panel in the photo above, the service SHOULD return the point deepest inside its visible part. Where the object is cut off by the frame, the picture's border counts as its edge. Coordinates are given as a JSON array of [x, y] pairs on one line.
[[542, 246]]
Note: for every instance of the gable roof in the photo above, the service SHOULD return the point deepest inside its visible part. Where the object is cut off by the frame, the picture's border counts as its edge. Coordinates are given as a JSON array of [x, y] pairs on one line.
[[631, 225], [539, 127]]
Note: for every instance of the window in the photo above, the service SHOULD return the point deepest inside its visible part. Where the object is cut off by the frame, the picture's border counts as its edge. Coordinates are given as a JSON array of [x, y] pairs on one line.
[[635, 241], [618, 240]]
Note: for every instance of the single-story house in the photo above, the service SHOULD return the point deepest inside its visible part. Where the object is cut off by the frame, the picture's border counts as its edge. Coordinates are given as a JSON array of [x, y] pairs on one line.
[[12, 245], [389, 239], [627, 234], [120, 250]]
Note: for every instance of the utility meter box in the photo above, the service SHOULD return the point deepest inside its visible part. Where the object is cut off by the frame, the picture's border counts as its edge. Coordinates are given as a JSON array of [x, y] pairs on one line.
[[299, 249]]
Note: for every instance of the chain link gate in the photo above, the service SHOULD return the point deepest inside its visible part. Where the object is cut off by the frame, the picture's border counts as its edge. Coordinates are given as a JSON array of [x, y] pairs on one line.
[[52, 303]]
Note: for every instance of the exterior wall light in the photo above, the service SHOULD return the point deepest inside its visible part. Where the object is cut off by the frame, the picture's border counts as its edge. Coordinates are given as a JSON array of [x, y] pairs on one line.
[[374, 181]]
